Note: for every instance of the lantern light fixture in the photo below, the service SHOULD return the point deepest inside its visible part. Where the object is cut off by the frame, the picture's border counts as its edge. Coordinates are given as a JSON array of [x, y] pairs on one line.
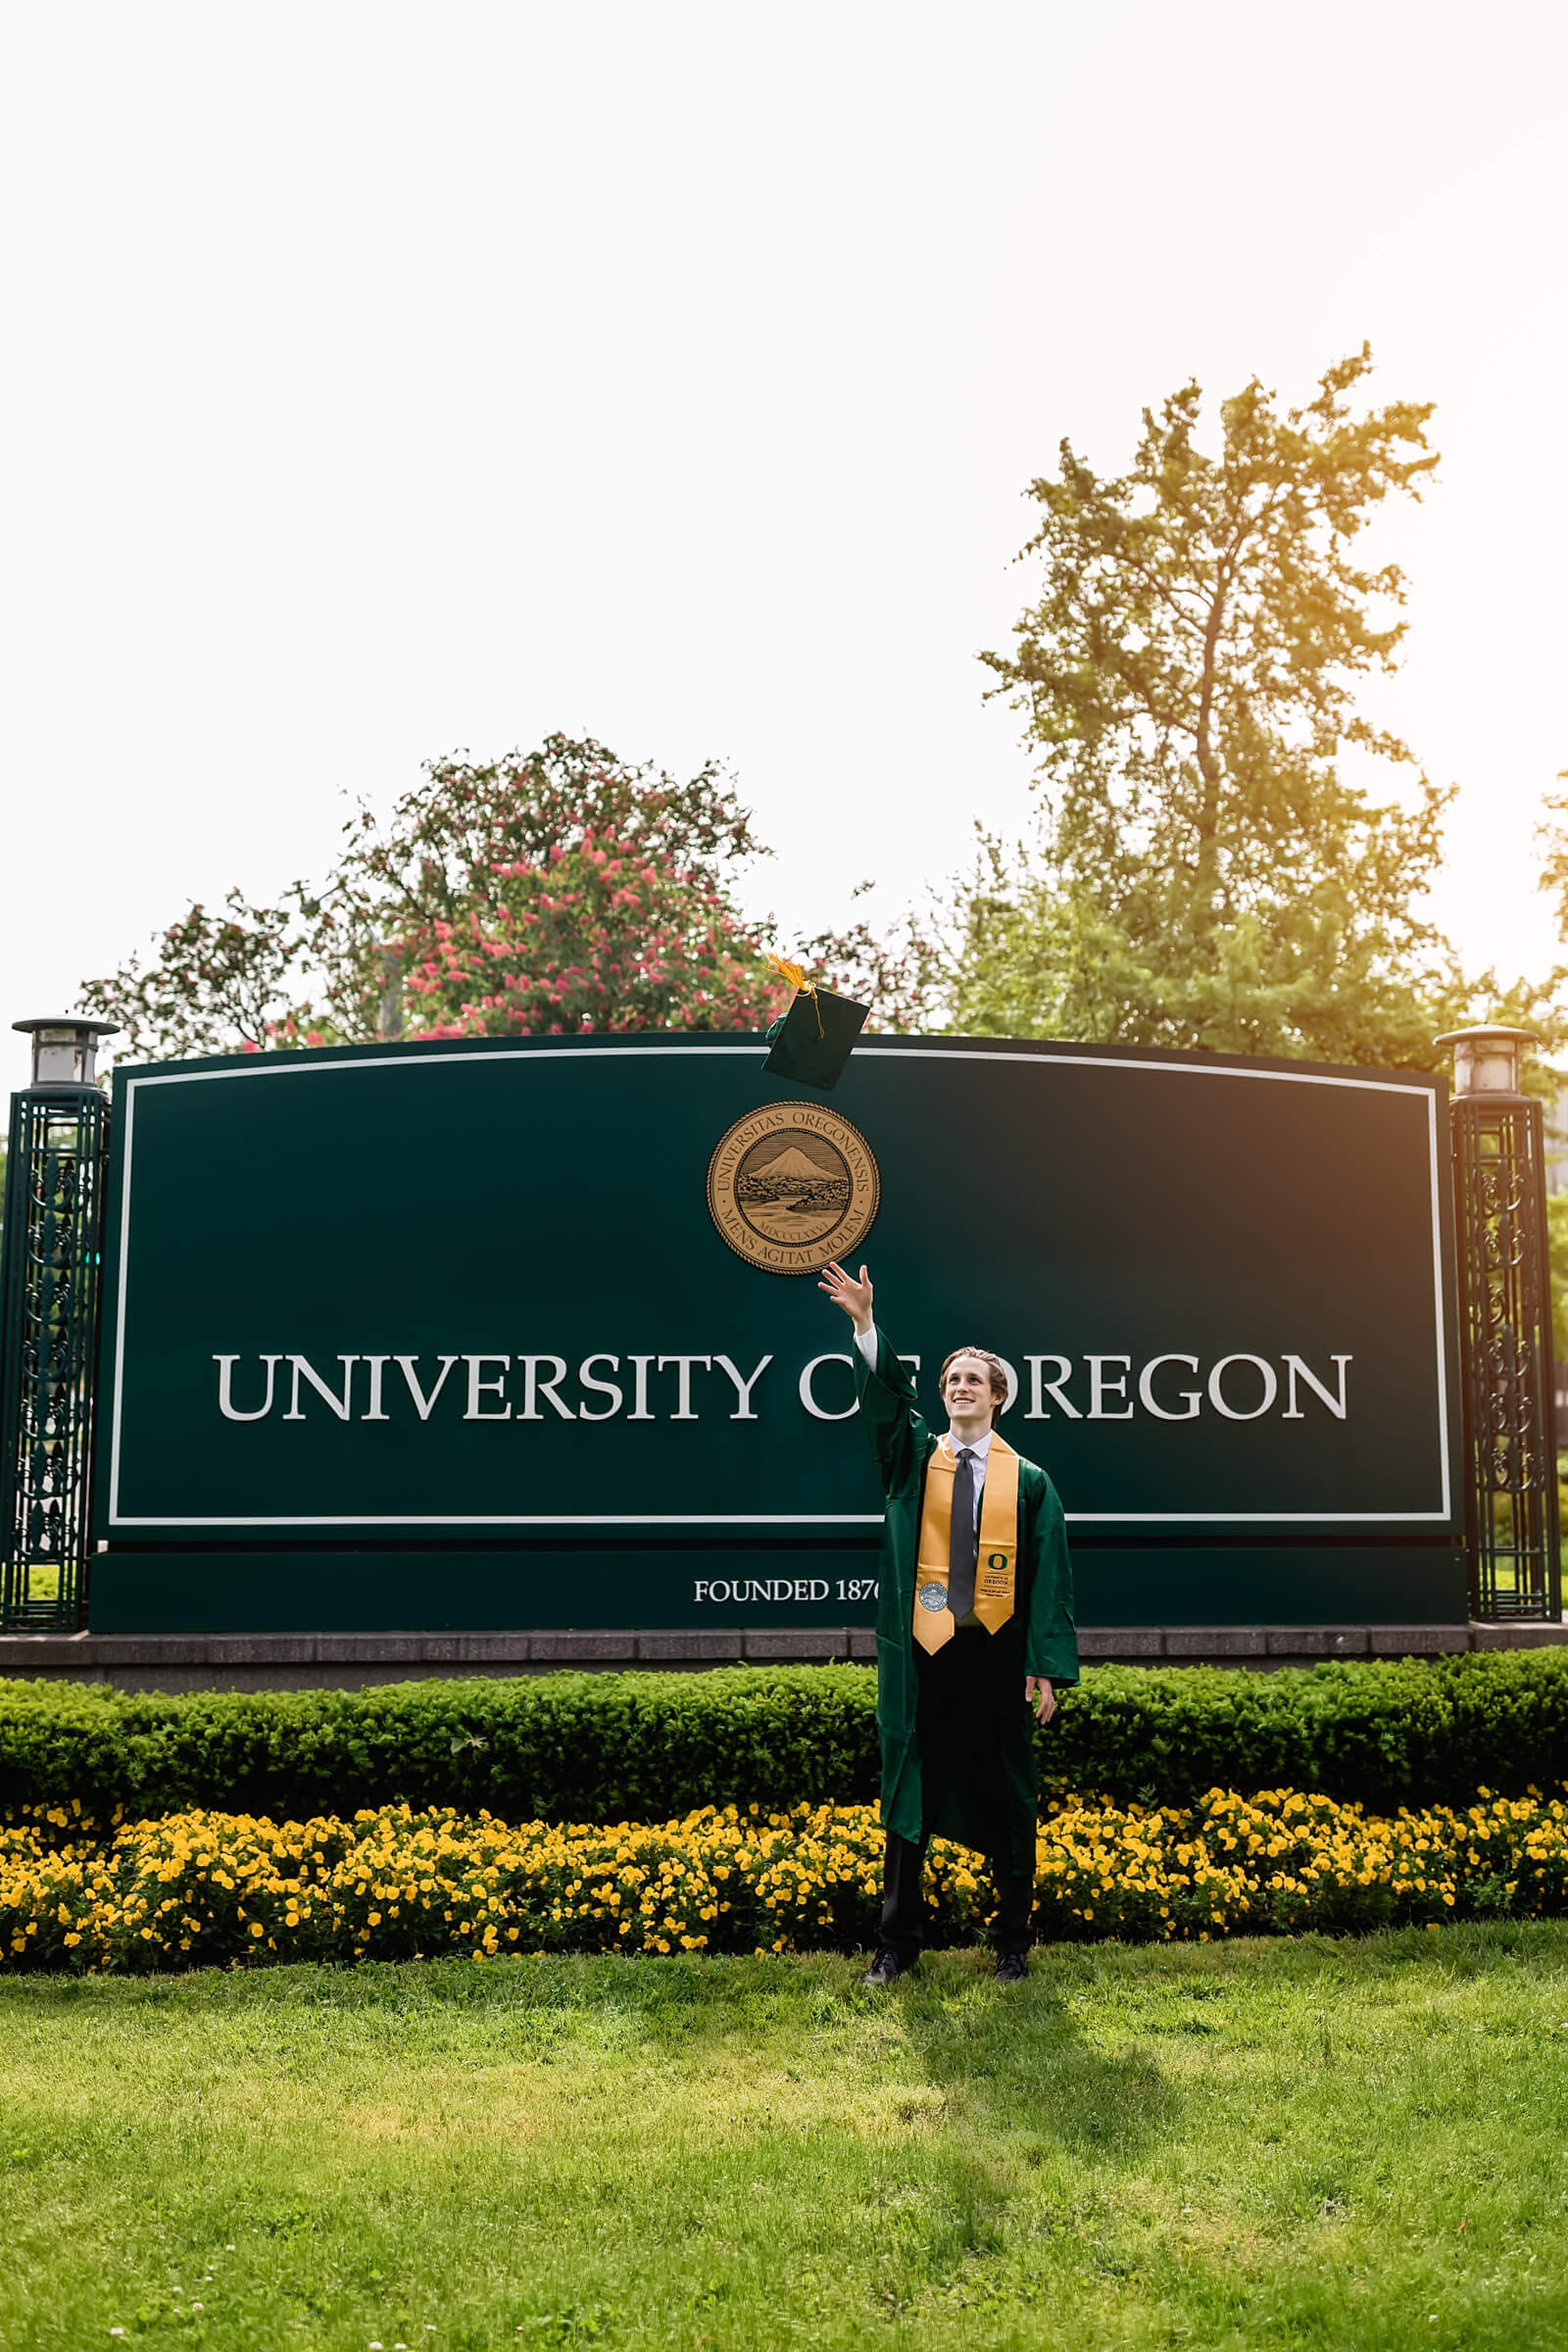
[[65, 1048], [1486, 1058]]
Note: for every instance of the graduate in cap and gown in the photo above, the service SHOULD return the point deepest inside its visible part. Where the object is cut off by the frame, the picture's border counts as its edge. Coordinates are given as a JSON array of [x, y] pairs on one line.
[[974, 1632]]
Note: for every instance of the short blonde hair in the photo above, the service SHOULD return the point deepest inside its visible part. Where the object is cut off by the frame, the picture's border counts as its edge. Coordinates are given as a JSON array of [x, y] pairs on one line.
[[994, 1365]]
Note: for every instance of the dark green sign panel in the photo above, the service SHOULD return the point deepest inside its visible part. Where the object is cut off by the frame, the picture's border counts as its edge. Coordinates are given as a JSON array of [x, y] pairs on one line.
[[445, 1334]]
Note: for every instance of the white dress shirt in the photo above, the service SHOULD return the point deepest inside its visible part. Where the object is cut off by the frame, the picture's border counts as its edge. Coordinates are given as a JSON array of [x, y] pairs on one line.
[[866, 1342]]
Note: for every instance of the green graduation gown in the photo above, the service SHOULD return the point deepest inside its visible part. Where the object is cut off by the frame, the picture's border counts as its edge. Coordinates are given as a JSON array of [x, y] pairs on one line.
[[957, 1745]]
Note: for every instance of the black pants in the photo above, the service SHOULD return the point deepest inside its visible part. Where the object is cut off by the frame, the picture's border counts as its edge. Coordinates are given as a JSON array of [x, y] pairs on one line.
[[904, 1903]]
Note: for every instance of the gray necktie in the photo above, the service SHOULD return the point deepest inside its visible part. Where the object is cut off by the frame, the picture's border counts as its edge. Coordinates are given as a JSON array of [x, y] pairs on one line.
[[964, 1545]]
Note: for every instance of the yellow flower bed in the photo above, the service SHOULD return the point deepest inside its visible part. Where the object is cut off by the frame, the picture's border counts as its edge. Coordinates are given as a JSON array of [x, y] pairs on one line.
[[197, 1887]]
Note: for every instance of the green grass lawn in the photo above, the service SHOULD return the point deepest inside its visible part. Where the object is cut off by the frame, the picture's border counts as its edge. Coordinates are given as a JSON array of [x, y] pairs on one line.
[[1260, 2143]]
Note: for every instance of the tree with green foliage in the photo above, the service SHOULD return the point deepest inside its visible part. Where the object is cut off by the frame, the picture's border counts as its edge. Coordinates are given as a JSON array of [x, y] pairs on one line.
[[216, 982], [546, 894], [1557, 1266], [1553, 834], [1208, 869]]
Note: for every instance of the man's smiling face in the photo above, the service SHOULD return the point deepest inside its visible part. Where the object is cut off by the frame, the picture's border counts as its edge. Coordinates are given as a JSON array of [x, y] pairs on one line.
[[966, 1389]]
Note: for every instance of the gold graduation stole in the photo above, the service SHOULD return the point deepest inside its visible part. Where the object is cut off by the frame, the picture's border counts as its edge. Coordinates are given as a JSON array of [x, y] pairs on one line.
[[996, 1571]]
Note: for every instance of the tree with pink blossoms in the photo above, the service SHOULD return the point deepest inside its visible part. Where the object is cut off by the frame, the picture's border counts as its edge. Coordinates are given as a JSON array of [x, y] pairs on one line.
[[549, 894], [561, 892]]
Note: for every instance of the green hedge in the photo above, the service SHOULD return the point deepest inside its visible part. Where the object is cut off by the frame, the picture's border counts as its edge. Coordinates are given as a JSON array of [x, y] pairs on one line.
[[646, 1747]]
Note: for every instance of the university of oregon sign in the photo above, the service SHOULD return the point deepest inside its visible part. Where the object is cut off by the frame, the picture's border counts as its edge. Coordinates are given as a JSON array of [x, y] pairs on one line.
[[490, 1334]]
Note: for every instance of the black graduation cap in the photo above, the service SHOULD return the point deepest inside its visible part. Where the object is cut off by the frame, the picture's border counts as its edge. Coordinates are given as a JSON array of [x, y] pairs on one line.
[[813, 1039]]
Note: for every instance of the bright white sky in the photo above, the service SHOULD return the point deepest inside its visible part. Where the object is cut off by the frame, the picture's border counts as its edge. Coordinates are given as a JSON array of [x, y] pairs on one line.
[[385, 380]]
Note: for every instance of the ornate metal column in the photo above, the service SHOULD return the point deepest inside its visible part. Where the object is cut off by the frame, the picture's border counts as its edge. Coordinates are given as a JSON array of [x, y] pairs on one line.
[[50, 1265], [1500, 1192]]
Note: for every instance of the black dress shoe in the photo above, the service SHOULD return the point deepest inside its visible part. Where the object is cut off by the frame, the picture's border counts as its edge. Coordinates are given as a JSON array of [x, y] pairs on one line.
[[886, 1968], [1011, 1967]]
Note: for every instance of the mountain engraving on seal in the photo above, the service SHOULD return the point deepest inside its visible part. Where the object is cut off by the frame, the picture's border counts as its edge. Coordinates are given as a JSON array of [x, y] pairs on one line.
[[792, 1186], [791, 1193]]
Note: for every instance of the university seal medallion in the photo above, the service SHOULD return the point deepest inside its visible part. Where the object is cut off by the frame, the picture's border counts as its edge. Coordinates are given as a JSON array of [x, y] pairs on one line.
[[792, 1186]]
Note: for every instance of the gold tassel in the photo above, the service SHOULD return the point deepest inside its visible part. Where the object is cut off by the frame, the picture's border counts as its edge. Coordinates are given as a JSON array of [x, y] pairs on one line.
[[795, 974]]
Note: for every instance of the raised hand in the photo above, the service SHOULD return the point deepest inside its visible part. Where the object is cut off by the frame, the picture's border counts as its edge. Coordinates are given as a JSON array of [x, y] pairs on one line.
[[854, 1296]]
